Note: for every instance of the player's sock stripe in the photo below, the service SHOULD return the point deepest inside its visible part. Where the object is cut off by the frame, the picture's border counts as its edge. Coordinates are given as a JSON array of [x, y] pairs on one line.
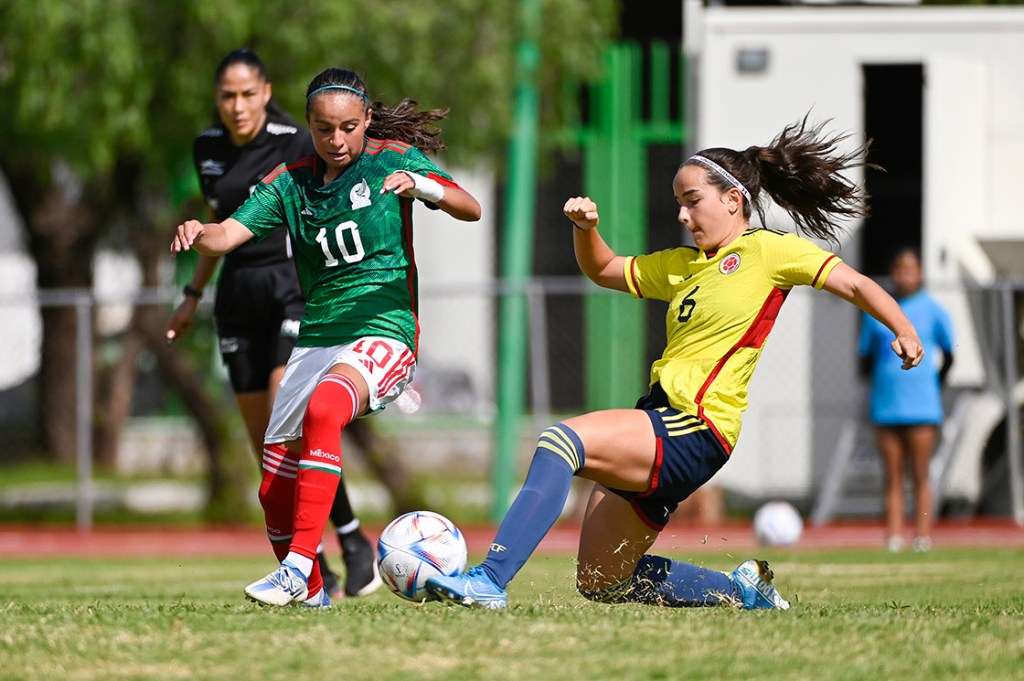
[[565, 456], [279, 451], [563, 441], [285, 466], [279, 472], [276, 458], [349, 387], [552, 445], [275, 467], [556, 439], [556, 434], [317, 466]]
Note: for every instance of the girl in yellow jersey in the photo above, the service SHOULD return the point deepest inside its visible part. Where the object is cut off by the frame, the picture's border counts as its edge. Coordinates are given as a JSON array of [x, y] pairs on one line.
[[724, 296]]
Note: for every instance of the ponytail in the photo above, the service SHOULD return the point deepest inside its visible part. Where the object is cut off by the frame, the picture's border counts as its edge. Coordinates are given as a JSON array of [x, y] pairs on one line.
[[404, 123], [801, 170]]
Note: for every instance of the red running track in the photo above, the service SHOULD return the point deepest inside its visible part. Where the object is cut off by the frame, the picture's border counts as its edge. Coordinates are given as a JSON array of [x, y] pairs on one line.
[[679, 538]]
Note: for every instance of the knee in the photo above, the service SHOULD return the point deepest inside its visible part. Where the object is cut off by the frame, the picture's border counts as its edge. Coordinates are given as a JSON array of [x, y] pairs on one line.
[[319, 409], [562, 441], [596, 584], [894, 479], [334, 402], [616, 593]]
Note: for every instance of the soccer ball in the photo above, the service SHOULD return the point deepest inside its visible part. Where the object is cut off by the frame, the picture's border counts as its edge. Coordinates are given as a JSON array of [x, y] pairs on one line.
[[778, 523], [417, 546]]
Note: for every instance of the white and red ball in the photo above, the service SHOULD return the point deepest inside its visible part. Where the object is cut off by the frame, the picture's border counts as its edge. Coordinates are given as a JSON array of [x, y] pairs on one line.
[[778, 523], [417, 546]]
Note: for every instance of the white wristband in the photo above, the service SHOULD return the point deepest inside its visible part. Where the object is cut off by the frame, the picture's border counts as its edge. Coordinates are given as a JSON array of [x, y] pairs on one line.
[[425, 188]]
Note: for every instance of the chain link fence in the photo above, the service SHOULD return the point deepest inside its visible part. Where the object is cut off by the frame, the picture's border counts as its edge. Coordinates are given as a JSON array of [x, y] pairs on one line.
[[805, 395]]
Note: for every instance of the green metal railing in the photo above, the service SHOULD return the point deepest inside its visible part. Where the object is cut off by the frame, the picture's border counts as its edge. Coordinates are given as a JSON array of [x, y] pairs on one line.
[[516, 263], [615, 175], [615, 145]]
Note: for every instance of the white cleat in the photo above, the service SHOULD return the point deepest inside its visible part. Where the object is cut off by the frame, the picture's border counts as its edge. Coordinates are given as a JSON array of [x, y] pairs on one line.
[[283, 586]]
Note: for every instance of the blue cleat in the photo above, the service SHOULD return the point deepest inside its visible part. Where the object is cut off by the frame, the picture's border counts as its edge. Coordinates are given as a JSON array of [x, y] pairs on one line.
[[754, 578], [283, 586], [473, 589], [320, 600]]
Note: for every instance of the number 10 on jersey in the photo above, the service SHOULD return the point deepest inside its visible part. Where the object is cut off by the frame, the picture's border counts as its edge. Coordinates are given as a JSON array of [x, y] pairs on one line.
[[350, 247]]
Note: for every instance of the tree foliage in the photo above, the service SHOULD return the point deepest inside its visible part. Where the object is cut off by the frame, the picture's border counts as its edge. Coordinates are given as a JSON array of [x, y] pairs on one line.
[[101, 100], [92, 80]]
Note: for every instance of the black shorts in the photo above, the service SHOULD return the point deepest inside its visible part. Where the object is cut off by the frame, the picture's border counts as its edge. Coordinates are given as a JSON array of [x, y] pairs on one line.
[[688, 455], [258, 310]]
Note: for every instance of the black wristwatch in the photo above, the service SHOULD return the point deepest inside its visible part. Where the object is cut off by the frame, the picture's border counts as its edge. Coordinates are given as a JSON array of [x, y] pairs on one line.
[[191, 292]]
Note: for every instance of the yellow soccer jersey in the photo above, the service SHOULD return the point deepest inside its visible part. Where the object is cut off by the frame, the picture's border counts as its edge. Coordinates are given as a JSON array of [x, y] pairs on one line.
[[721, 311]]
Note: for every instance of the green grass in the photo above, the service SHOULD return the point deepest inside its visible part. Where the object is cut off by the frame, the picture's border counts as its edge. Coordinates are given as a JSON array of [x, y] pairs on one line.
[[950, 614]]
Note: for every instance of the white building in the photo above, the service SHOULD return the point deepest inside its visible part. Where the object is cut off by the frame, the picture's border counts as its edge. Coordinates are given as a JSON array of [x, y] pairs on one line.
[[755, 70]]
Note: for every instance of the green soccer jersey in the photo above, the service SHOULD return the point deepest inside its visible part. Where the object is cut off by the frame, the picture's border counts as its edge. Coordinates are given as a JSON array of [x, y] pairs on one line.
[[352, 245]]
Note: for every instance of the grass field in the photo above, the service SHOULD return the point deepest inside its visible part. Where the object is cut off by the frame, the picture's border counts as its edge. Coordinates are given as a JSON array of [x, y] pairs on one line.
[[950, 614]]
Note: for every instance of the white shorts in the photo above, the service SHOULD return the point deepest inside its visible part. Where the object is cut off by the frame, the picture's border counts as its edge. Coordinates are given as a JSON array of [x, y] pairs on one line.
[[386, 365]]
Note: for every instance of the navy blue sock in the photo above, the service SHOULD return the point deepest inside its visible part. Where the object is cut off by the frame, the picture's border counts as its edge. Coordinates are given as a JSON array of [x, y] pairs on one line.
[[537, 506], [665, 582]]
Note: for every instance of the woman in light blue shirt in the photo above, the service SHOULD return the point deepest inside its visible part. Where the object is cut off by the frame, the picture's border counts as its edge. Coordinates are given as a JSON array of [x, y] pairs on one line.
[[906, 406]]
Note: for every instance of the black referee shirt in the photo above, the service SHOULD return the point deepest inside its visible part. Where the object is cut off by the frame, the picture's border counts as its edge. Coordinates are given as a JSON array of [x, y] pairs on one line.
[[228, 173]]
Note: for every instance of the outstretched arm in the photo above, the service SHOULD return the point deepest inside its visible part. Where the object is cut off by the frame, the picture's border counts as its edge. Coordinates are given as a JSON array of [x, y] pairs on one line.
[[595, 257], [215, 238], [852, 286]]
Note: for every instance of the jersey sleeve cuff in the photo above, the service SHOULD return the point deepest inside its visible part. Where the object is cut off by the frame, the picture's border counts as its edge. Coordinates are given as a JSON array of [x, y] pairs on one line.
[[630, 275], [826, 269]]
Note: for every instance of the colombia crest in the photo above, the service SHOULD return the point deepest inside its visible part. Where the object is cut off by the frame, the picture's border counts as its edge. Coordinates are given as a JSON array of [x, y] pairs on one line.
[[729, 264]]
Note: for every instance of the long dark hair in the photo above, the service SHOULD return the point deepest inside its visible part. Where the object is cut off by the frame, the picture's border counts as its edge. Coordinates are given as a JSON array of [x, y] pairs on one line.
[[244, 55], [801, 170], [400, 122]]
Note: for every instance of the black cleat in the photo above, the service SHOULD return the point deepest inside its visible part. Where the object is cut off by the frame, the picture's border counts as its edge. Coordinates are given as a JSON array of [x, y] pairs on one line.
[[331, 584], [361, 577]]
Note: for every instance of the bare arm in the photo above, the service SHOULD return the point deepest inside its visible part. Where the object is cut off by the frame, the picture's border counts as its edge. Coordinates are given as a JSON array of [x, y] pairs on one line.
[[595, 257], [216, 238], [460, 204], [181, 319], [206, 265], [852, 286]]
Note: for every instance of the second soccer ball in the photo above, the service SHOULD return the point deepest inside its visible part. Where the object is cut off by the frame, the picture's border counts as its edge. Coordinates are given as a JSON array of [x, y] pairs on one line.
[[778, 523]]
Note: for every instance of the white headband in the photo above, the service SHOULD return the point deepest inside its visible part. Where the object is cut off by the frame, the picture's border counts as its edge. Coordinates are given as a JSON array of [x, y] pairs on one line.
[[708, 163]]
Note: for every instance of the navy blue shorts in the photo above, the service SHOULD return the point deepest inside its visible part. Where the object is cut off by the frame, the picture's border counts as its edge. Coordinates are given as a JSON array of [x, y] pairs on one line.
[[688, 454]]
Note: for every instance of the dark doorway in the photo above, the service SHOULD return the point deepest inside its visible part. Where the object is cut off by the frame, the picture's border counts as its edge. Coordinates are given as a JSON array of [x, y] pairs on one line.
[[893, 118]]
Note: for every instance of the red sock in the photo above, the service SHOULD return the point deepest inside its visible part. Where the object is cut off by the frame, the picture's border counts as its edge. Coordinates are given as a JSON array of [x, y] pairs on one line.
[[277, 496], [332, 406]]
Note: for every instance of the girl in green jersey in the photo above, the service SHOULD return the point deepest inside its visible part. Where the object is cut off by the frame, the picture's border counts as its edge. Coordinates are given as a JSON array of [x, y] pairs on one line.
[[348, 211]]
